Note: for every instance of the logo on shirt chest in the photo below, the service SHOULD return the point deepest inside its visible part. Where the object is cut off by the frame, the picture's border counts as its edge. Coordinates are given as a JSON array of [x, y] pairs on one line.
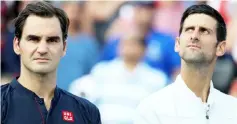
[[68, 116]]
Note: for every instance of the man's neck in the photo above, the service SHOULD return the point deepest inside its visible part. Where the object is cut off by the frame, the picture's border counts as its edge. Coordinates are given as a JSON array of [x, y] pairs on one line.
[[198, 79], [42, 85], [130, 65]]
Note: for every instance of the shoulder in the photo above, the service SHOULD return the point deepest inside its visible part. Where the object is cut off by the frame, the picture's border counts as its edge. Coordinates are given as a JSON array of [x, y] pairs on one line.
[[100, 65], [104, 67], [5, 90], [79, 100], [160, 101], [153, 72], [225, 98], [85, 106], [4, 87], [228, 101]]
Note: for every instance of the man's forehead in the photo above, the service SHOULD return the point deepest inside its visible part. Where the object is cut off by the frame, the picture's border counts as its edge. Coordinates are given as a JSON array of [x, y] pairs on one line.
[[43, 27], [200, 20]]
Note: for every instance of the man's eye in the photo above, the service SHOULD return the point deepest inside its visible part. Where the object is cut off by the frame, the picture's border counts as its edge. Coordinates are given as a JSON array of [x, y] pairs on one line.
[[52, 40], [204, 31], [33, 39], [189, 29]]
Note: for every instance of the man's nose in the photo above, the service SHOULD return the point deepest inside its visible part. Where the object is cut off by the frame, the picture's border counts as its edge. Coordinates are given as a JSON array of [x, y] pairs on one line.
[[195, 36], [42, 48]]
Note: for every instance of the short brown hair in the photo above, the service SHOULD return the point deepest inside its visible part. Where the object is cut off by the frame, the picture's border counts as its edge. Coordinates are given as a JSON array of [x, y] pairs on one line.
[[42, 9]]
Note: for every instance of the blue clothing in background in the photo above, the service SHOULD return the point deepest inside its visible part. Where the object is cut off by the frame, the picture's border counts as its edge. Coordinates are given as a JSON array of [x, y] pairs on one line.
[[160, 52], [81, 55]]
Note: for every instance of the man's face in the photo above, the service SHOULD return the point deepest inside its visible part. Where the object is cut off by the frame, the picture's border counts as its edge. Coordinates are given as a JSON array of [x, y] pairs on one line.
[[72, 9], [143, 16], [41, 45], [198, 42], [130, 49]]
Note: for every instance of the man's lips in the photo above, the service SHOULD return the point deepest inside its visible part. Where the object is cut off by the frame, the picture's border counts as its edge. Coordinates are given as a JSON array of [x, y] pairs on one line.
[[41, 59], [194, 46]]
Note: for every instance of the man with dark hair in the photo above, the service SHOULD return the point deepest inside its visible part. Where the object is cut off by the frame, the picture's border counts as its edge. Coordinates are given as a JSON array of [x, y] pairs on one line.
[[33, 98], [192, 99]]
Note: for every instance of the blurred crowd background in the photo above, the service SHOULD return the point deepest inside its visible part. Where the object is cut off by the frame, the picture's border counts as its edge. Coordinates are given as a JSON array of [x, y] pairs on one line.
[[118, 52]]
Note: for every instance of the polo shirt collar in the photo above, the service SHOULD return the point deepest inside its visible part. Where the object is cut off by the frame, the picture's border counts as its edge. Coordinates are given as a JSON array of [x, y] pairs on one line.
[[24, 91], [187, 103]]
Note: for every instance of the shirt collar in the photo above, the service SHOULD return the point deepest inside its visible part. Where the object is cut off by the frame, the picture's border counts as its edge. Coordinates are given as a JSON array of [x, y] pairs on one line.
[[188, 104], [24, 91]]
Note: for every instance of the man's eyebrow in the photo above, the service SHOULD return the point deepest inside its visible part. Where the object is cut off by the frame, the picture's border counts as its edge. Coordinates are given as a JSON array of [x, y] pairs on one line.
[[209, 29], [185, 27], [54, 37], [31, 36], [201, 27]]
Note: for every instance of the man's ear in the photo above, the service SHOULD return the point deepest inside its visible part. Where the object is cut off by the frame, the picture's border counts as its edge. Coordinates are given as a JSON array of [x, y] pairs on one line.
[[177, 44], [16, 45], [221, 48], [64, 48]]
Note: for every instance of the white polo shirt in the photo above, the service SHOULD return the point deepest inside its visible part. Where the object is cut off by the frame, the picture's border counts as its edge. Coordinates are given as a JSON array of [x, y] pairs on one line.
[[177, 104], [116, 91]]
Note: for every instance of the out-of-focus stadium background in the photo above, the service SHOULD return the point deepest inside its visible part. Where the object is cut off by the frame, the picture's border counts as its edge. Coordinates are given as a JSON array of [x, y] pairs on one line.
[[106, 61]]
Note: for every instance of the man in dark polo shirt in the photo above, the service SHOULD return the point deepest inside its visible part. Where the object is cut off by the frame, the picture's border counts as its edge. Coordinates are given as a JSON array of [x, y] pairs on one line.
[[33, 98]]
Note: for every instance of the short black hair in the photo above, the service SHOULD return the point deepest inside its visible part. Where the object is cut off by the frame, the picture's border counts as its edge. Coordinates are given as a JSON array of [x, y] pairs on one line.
[[208, 10], [42, 9]]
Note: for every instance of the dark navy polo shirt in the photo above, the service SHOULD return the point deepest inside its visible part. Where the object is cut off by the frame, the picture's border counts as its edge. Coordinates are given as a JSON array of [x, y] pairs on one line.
[[21, 106]]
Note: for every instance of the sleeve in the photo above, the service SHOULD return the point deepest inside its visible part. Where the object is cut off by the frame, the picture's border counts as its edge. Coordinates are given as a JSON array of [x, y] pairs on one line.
[[96, 118], [3, 111], [84, 87], [4, 91], [89, 110]]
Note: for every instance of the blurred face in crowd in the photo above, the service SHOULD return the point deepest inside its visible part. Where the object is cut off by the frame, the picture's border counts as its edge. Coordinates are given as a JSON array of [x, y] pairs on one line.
[[143, 16], [131, 49], [198, 41], [72, 9], [41, 45]]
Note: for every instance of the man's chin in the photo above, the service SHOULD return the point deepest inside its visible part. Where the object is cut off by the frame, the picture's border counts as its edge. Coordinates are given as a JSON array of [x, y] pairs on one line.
[[42, 71], [194, 60]]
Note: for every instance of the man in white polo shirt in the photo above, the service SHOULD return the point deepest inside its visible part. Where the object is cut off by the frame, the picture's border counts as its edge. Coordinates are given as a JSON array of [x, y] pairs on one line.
[[192, 99]]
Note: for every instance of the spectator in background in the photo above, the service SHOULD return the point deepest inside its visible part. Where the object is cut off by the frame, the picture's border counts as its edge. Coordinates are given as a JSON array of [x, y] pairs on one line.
[[4, 77], [117, 86], [233, 39], [233, 89], [224, 73], [10, 62], [82, 48], [102, 14], [165, 14], [160, 52]]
